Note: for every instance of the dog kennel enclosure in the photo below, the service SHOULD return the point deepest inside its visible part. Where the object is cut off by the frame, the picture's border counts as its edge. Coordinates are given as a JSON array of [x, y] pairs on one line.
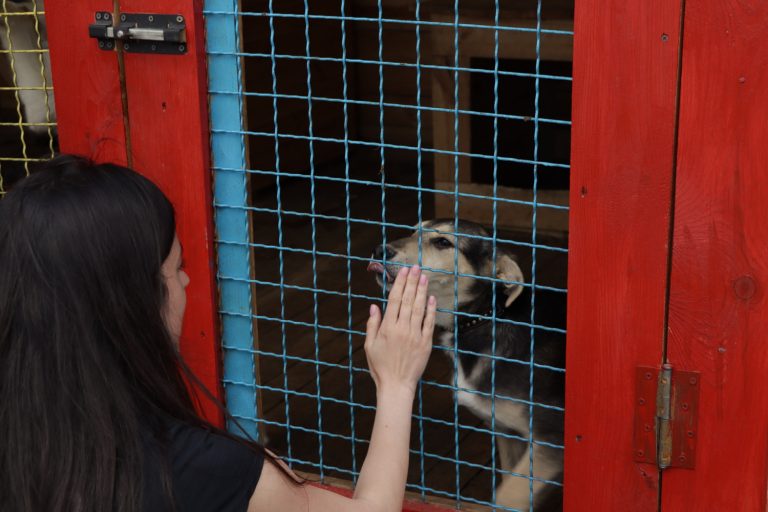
[[293, 138]]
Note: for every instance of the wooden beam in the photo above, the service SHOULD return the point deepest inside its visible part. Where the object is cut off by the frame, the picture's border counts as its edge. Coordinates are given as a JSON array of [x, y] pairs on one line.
[[168, 116], [624, 112], [88, 96]]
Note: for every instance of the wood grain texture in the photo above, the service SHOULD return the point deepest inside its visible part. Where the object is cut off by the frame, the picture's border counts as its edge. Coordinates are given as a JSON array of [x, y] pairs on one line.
[[625, 79], [718, 312], [510, 215], [87, 83], [412, 502], [168, 116]]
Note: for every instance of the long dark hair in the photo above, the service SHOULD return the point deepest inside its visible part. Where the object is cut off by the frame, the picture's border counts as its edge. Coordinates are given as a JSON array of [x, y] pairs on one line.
[[86, 360]]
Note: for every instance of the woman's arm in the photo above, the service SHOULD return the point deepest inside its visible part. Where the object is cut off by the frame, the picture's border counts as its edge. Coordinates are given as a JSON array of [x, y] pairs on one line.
[[397, 346]]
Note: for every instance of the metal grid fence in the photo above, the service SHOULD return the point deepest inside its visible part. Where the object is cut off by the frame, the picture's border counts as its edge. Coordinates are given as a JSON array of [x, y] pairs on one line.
[[319, 157], [27, 112]]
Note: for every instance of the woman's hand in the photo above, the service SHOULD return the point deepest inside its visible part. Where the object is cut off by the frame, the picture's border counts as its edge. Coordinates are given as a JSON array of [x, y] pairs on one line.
[[399, 344], [398, 347]]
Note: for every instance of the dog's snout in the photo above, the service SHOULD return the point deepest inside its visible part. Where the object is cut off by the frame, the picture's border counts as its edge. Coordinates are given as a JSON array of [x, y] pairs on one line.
[[378, 253]]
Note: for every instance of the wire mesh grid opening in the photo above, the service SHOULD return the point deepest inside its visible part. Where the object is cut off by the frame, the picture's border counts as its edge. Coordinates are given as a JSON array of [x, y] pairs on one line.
[[336, 129], [27, 111]]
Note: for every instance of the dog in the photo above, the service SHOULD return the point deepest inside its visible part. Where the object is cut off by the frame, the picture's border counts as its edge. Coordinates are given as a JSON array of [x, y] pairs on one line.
[[19, 33], [473, 349]]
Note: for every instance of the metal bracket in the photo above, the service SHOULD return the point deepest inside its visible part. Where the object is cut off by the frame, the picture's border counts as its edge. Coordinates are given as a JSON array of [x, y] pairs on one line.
[[141, 33], [666, 416]]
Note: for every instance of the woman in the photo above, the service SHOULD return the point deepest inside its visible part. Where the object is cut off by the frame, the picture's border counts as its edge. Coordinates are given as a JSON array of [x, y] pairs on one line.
[[94, 411]]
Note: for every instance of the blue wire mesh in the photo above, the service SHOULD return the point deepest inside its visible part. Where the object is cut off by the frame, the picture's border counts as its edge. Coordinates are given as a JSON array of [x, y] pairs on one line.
[[336, 129]]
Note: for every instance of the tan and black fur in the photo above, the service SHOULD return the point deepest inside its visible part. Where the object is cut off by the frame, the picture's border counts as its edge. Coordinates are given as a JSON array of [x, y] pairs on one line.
[[512, 343]]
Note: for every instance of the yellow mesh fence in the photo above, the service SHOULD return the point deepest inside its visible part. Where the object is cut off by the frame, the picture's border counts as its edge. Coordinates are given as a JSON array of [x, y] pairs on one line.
[[27, 110]]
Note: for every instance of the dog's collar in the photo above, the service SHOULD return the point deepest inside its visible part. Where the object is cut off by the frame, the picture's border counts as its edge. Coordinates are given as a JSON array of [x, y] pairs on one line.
[[470, 322]]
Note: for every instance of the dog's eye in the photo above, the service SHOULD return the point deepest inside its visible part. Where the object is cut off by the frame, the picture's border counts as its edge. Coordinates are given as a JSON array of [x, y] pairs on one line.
[[442, 243]]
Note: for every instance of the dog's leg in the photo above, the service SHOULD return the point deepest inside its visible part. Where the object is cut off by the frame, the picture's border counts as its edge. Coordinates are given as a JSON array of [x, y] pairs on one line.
[[514, 491], [509, 451]]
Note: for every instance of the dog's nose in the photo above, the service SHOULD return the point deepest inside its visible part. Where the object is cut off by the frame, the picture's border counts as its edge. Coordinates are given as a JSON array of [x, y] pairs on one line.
[[378, 253]]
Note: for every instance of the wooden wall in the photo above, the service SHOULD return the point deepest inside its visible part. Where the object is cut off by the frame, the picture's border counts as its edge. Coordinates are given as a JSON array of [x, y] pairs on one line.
[[325, 42], [399, 44]]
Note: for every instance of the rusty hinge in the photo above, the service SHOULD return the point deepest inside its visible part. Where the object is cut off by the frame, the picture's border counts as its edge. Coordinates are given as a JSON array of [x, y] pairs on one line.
[[666, 414]]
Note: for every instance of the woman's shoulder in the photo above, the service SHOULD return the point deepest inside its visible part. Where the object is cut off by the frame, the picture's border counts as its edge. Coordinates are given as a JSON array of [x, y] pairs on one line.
[[194, 447], [208, 470]]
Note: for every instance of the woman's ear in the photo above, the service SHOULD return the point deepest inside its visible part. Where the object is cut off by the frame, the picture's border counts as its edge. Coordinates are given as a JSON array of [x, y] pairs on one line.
[[509, 271]]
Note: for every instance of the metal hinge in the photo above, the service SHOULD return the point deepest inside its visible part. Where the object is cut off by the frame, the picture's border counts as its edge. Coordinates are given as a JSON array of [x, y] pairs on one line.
[[141, 33], [666, 416]]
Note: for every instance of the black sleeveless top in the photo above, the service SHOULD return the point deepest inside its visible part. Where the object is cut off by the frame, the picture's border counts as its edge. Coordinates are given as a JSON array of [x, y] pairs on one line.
[[209, 473]]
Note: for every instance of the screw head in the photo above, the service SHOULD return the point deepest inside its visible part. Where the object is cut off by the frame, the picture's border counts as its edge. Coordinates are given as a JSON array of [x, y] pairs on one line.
[[648, 375], [122, 17], [647, 427], [109, 44], [106, 16], [692, 381], [179, 19], [640, 453], [182, 48], [665, 37], [641, 401], [154, 47], [689, 433], [682, 458], [98, 15], [120, 34], [685, 406], [150, 18], [126, 46], [101, 44]]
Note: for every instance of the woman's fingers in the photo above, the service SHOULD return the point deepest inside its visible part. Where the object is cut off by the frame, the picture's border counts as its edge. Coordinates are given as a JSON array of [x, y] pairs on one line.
[[429, 320], [372, 327], [409, 295], [419, 304], [397, 348], [395, 296]]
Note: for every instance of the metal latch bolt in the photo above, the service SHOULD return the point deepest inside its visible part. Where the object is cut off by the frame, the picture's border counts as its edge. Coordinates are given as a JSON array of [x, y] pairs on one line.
[[141, 33]]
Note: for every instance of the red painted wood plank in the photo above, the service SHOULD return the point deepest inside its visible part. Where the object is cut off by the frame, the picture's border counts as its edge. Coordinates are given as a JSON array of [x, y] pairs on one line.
[[421, 506], [168, 117], [625, 80], [86, 83], [408, 505], [718, 313]]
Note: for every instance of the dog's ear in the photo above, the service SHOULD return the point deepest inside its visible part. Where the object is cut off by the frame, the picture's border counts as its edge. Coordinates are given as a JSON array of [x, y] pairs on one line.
[[509, 271]]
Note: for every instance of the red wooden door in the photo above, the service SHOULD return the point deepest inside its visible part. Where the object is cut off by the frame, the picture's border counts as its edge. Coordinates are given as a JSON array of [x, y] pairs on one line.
[[149, 112], [626, 59], [89, 116], [669, 247], [167, 108], [718, 313]]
